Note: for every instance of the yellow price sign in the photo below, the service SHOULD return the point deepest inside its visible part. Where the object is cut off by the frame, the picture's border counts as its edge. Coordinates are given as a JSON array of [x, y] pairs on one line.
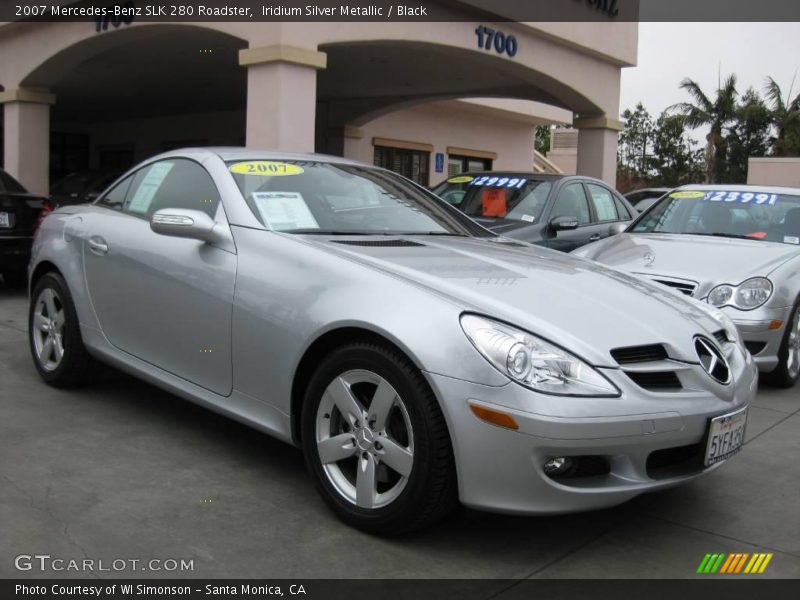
[[687, 195], [265, 168], [460, 179]]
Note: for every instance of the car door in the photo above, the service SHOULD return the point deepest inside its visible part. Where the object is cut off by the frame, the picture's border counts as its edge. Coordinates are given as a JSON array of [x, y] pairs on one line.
[[570, 201], [165, 300], [607, 209]]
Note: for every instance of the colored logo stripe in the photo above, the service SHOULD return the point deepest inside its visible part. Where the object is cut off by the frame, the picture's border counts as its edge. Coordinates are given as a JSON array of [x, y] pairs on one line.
[[735, 563]]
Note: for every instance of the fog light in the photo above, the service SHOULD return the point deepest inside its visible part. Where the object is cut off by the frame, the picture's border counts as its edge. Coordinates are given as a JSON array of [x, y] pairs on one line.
[[557, 466]]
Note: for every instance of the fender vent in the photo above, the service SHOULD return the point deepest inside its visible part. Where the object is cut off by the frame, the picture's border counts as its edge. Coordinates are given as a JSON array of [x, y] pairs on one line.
[[379, 243]]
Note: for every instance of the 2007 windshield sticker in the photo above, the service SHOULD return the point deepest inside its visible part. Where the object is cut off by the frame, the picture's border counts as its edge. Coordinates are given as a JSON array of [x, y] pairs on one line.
[[265, 168], [742, 197], [460, 179], [490, 181]]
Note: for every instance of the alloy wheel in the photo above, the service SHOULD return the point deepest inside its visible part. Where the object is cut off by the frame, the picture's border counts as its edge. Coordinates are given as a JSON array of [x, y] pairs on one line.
[[48, 329], [793, 354]]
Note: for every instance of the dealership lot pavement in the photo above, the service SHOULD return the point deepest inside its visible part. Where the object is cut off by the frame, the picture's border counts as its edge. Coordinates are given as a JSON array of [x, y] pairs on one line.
[[122, 470]]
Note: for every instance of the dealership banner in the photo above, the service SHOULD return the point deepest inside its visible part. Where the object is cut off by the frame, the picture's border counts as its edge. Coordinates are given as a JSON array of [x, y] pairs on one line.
[[127, 11], [400, 589]]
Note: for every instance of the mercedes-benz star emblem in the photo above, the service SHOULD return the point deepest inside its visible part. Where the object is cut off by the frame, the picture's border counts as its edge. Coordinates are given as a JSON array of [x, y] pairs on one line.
[[712, 360], [649, 258]]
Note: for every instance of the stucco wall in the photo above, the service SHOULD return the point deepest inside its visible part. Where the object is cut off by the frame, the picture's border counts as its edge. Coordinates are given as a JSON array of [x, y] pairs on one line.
[[445, 126], [774, 171]]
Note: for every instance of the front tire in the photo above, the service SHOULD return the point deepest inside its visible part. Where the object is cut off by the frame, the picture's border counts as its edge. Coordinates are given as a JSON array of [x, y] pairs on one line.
[[54, 334], [376, 442], [788, 369]]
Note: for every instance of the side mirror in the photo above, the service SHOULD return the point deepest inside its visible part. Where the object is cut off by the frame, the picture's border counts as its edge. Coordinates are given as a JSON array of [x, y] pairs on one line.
[[184, 223], [564, 223], [617, 228]]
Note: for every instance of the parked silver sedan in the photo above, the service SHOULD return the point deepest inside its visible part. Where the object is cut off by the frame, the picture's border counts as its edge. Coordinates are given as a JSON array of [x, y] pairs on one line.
[[415, 357], [735, 247]]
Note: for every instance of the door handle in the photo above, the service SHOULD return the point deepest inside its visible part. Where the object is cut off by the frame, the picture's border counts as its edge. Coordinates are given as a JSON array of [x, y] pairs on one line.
[[97, 245], [594, 238]]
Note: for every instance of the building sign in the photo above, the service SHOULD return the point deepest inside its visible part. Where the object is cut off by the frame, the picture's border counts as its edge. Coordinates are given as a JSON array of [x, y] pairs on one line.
[[439, 166], [119, 14], [492, 39], [607, 7]]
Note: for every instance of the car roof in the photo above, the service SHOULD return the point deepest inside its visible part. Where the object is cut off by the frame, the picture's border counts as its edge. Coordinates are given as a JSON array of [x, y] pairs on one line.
[[240, 154], [768, 189]]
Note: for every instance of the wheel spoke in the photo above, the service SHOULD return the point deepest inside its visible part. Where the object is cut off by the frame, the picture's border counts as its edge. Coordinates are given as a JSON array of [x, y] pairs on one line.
[[381, 405], [58, 347], [47, 350], [40, 322], [365, 481], [345, 401], [58, 320], [396, 457], [336, 448], [50, 302]]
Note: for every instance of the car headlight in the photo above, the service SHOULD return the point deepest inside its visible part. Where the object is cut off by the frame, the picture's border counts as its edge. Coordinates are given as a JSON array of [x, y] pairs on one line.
[[533, 362], [748, 295]]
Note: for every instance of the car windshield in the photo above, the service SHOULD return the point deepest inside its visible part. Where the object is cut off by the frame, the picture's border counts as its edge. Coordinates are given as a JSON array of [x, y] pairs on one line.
[[746, 214], [515, 197], [327, 198]]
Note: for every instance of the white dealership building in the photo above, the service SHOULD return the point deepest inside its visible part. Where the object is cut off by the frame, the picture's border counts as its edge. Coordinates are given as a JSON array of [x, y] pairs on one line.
[[423, 98]]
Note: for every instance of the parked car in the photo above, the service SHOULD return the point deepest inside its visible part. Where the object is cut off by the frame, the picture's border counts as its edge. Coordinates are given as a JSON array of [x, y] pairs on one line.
[[81, 187], [414, 356], [20, 212], [735, 247], [558, 211], [641, 200]]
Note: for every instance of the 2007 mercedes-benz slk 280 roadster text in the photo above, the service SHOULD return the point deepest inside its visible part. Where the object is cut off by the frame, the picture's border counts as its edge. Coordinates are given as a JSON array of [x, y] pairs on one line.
[[415, 357]]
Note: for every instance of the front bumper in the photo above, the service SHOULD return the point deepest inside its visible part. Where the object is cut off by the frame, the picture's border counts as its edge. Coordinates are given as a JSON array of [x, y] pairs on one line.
[[763, 342], [501, 470]]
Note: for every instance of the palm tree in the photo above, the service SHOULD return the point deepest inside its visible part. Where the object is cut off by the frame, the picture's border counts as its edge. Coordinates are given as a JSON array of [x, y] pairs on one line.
[[716, 114], [785, 118]]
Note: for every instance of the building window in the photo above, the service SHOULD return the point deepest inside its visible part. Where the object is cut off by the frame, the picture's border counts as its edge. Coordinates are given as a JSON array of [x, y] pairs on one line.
[[413, 163], [463, 164], [69, 152]]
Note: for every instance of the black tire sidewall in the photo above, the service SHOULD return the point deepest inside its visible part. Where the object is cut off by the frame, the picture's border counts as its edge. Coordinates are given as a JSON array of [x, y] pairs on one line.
[[780, 376], [376, 359]]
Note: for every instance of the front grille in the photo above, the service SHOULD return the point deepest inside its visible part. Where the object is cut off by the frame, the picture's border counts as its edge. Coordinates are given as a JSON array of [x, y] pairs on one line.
[[755, 347], [674, 462], [639, 354], [721, 336], [655, 380], [379, 243]]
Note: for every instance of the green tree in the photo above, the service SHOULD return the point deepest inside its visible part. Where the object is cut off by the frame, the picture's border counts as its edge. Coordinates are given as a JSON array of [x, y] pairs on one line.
[[785, 118], [716, 114], [542, 139], [635, 142], [676, 158], [748, 136]]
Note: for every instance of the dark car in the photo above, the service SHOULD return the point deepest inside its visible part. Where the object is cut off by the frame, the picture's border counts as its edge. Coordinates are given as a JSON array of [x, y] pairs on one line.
[[81, 187], [562, 212], [641, 200], [20, 214]]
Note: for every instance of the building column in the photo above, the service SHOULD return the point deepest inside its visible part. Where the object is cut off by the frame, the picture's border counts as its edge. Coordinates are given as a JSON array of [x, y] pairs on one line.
[[281, 96], [27, 137], [597, 147]]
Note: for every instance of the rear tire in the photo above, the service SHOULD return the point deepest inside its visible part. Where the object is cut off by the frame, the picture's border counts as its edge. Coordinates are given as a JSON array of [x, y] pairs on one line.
[[376, 442], [54, 334], [788, 370]]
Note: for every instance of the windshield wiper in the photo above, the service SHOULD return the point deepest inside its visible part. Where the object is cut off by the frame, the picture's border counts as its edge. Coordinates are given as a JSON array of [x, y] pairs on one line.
[[313, 231], [735, 236]]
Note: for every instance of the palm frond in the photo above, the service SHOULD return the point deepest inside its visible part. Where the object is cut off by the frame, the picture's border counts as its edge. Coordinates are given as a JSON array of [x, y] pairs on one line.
[[696, 92]]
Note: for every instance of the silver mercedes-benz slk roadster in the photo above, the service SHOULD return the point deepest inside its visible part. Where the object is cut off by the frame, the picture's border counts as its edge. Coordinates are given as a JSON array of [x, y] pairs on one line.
[[415, 357], [735, 247]]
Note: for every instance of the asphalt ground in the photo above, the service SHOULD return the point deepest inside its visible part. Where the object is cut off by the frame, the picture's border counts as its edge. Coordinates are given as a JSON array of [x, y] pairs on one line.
[[122, 470]]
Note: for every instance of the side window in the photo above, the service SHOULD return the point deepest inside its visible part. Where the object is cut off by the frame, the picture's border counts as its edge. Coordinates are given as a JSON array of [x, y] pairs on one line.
[[624, 213], [115, 198], [174, 183], [571, 202], [603, 202]]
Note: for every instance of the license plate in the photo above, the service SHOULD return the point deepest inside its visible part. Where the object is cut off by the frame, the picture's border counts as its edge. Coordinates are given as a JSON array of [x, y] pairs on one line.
[[725, 436], [4, 220]]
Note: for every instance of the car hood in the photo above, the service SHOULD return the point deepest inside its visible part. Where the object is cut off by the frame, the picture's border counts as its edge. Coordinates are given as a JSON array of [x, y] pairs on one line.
[[585, 307], [709, 261]]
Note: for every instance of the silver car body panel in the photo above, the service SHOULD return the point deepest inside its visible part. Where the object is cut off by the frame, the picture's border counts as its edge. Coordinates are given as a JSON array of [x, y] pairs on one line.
[[701, 263], [227, 325]]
